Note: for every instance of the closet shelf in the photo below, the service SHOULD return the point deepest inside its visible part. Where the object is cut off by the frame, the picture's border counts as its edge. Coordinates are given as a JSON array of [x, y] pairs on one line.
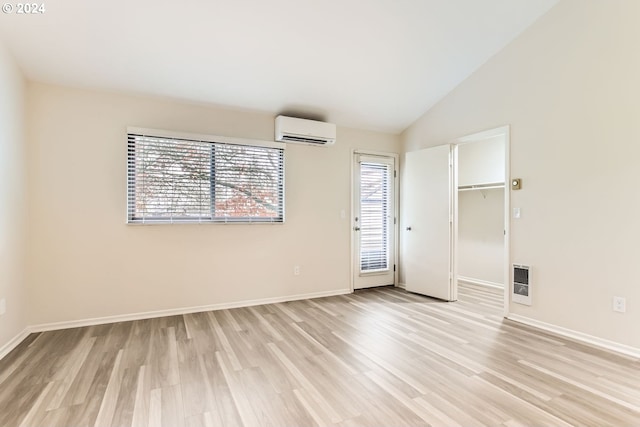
[[481, 186]]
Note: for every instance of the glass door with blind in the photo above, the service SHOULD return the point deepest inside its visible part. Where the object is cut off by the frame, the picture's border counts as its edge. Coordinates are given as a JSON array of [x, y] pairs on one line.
[[374, 221]]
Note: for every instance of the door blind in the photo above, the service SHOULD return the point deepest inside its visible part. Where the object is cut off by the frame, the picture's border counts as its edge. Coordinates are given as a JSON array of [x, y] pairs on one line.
[[374, 216]]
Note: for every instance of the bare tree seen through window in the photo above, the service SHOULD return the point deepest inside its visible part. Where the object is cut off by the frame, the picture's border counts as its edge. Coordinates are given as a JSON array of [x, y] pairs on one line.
[[184, 180]]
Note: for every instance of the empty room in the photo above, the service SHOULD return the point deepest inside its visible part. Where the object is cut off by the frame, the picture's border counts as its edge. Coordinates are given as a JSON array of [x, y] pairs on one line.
[[319, 213]]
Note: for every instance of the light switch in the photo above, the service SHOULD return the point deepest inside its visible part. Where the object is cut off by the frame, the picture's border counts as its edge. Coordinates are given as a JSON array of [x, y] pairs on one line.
[[516, 213]]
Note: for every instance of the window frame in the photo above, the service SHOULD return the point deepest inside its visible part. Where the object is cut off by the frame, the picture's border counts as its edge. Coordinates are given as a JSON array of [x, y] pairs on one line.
[[214, 140]]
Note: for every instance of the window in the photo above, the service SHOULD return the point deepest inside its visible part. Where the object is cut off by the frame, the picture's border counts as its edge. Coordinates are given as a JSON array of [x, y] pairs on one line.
[[375, 215], [180, 179]]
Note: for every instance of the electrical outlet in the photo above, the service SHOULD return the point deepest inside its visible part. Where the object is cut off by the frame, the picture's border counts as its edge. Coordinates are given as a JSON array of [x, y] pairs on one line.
[[3, 306], [619, 304], [296, 270]]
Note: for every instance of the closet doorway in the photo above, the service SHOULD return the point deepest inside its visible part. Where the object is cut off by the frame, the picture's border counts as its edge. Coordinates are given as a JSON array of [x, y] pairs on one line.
[[482, 246]]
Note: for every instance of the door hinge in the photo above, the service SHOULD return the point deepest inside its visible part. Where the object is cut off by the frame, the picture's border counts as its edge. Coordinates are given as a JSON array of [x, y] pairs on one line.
[[394, 267], [394, 220], [395, 174]]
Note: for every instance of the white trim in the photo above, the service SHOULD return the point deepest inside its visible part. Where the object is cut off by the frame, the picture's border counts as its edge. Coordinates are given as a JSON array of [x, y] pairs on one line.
[[507, 221], [568, 333], [480, 282], [486, 134], [402, 286], [352, 209], [376, 153], [453, 223], [14, 342], [396, 211], [204, 137], [178, 311], [578, 336]]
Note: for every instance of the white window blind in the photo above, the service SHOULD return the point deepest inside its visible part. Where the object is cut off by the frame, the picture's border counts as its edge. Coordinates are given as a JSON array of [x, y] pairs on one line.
[[184, 180], [374, 216]]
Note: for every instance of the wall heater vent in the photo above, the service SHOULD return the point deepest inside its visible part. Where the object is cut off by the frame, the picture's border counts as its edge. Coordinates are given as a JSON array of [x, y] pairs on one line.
[[521, 290]]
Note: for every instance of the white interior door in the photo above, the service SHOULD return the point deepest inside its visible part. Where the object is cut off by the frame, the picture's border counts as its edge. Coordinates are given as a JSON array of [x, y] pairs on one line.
[[428, 221], [374, 229]]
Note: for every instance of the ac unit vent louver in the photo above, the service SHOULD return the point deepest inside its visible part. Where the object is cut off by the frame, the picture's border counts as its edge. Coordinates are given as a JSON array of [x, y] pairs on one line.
[[312, 132], [291, 138]]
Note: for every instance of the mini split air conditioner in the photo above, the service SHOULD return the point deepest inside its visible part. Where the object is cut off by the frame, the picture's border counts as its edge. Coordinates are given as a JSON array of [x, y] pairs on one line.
[[291, 129]]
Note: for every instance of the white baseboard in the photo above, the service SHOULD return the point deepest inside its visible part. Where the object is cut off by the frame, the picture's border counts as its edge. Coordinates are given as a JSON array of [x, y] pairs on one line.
[[480, 282], [575, 335], [14, 342], [177, 311], [402, 286], [578, 336]]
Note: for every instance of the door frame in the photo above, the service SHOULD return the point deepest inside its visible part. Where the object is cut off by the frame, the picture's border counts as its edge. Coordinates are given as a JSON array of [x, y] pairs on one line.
[[396, 222], [506, 132]]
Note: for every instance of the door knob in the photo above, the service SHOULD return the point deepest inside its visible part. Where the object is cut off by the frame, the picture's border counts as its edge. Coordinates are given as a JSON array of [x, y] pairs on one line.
[[408, 228]]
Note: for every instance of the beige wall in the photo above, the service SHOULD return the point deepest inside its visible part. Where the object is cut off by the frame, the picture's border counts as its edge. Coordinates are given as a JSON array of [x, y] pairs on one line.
[[12, 199], [569, 88], [480, 235], [481, 162], [85, 262]]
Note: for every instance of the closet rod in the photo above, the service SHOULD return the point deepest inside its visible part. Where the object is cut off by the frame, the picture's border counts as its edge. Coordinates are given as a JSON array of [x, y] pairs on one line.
[[481, 186]]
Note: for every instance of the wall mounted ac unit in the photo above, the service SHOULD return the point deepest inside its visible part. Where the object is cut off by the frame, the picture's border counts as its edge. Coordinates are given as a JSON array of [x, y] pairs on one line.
[[291, 129]]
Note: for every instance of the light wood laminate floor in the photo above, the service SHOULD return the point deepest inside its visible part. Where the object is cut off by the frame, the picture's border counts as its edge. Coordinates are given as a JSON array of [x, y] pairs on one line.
[[380, 357]]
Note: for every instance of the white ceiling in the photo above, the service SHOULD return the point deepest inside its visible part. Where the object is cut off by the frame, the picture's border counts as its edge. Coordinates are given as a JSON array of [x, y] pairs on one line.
[[370, 64]]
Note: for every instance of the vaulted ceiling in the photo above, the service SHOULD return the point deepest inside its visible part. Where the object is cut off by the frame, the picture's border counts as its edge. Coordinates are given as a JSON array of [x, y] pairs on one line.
[[370, 64]]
